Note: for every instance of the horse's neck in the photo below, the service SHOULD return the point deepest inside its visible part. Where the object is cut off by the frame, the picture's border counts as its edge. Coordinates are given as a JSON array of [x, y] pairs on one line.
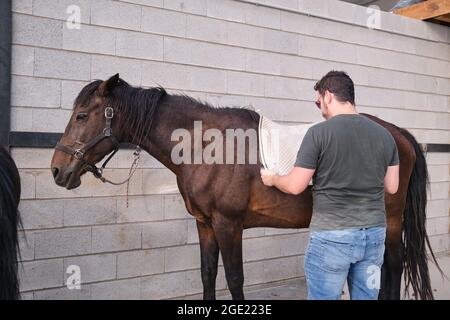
[[169, 116]]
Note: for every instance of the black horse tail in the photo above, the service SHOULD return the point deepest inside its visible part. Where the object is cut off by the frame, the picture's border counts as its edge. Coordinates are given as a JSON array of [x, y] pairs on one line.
[[9, 223], [415, 238]]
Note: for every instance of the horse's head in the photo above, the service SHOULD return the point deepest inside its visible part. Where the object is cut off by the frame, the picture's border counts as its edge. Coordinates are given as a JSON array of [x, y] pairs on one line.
[[90, 135]]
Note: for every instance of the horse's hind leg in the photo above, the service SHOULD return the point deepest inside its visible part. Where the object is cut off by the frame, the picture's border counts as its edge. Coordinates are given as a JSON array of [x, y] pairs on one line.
[[391, 273], [229, 236], [209, 253]]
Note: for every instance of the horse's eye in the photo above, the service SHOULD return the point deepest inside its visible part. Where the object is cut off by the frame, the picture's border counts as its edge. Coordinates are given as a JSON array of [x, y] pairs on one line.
[[81, 116]]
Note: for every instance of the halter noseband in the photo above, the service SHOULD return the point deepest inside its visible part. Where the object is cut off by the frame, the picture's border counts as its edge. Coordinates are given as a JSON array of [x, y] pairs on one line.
[[81, 152]]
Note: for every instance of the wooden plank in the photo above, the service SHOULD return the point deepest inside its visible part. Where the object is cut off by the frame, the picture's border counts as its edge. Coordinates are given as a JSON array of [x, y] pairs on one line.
[[444, 18], [426, 10]]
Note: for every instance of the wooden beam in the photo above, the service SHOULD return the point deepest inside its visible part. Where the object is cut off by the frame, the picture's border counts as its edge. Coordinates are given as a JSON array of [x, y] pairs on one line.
[[444, 18], [426, 10]]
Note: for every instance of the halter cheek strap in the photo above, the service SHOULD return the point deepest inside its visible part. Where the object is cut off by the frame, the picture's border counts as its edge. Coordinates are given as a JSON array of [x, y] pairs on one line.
[[107, 133]]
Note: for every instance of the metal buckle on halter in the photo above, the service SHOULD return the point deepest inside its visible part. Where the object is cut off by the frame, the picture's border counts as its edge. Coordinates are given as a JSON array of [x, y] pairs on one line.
[[109, 113], [78, 154], [107, 132]]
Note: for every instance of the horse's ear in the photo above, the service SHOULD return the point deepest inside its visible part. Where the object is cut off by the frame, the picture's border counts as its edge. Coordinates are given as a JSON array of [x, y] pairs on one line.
[[106, 87]]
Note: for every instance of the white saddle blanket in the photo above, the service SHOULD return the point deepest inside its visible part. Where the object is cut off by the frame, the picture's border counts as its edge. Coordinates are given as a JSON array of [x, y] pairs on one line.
[[279, 144]]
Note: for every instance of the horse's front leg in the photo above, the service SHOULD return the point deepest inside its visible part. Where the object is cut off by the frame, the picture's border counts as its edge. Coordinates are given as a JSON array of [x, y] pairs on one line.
[[209, 254], [229, 236]]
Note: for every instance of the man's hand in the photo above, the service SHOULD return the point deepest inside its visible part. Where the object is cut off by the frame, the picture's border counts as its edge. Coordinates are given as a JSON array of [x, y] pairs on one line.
[[267, 177], [293, 183]]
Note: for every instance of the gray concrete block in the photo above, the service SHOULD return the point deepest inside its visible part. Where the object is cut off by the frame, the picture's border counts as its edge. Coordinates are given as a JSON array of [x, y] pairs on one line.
[[79, 212], [294, 66], [64, 293], [203, 28], [35, 92], [438, 208], [104, 67], [140, 263], [40, 214], [32, 158], [139, 45], [245, 36], [277, 87], [263, 16], [245, 84], [174, 207], [203, 54], [128, 289], [41, 274], [62, 242], [140, 208], [62, 64], [263, 62], [28, 184], [163, 22], [437, 158], [116, 14], [253, 233], [254, 273], [164, 234], [439, 190], [59, 9], [90, 39], [280, 41], [34, 31], [196, 7], [227, 10], [116, 238], [440, 243], [438, 173], [50, 120], [22, 60], [26, 245], [183, 77], [93, 268], [437, 226], [163, 286], [151, 3], [182, 258], [22, 6], [285, 4], [69, 91], [282, 268], [261, 248]]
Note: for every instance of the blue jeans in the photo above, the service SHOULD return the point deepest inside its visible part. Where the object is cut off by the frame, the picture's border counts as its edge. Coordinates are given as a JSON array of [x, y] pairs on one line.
[[355, 255]]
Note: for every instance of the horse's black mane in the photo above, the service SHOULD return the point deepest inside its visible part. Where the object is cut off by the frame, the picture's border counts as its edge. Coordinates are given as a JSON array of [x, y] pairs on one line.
[[139, 104]]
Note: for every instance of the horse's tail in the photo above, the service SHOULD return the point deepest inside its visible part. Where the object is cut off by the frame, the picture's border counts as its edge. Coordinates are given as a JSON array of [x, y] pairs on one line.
[[415, 238], [9, 223]]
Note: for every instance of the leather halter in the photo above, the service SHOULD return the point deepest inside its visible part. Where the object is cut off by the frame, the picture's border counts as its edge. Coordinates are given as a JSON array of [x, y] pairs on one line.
[[80, 153]]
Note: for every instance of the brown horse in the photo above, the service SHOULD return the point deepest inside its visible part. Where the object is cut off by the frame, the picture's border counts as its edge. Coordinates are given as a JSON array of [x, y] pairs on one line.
[[225, 199]]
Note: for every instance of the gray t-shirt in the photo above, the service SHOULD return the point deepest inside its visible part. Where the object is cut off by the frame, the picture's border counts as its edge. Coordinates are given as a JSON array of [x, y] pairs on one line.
[[351, 154]]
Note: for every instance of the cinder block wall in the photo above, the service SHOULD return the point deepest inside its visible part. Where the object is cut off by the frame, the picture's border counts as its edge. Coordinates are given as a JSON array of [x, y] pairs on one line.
[[226, 52]]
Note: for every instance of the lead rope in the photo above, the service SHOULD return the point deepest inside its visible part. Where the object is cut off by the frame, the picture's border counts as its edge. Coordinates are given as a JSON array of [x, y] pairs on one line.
[[134, 165]]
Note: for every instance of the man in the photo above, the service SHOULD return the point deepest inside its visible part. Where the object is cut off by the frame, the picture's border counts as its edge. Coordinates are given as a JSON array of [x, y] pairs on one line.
[[352, 161]]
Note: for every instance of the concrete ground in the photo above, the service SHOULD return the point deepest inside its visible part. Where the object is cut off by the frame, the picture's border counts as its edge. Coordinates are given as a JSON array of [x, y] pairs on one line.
[[295, 289]]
